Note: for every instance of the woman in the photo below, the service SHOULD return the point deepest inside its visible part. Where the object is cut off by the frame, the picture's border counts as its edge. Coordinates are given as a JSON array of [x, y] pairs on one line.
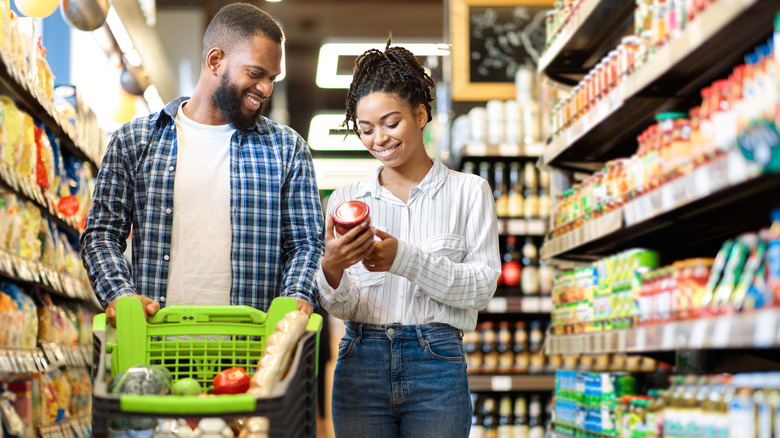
[[413, 279]]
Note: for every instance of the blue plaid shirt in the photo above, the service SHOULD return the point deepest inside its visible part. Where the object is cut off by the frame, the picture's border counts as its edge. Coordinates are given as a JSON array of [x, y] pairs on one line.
[[276, 217]]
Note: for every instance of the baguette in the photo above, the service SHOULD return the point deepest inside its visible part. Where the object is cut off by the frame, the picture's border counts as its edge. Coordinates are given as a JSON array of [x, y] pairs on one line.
[[278, 351]]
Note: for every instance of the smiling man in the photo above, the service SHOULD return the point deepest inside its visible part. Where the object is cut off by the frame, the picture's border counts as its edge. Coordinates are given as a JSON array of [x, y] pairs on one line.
[[222, 201]]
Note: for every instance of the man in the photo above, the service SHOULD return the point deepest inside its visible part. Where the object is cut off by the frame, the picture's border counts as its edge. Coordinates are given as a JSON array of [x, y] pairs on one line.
[[222, 202]]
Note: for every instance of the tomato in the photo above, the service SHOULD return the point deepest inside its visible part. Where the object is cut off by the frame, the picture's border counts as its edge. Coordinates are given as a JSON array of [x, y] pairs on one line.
[[232, 381]]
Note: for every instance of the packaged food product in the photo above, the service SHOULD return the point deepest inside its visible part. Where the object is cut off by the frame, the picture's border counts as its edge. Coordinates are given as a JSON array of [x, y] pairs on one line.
[[349, 214]]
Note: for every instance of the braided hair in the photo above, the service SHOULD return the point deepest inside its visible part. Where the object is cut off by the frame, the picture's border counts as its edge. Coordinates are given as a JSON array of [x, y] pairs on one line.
[[395, 71]]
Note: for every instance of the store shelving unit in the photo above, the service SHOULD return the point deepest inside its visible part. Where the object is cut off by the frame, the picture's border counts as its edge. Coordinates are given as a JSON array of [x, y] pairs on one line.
[[716, 199], [690, 216], [15, 85], [757, 329], [671, 80], [572, 52], [516, 382]]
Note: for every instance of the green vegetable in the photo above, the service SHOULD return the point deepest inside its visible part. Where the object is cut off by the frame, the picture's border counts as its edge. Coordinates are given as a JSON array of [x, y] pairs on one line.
[[143, 379], [186, 386]]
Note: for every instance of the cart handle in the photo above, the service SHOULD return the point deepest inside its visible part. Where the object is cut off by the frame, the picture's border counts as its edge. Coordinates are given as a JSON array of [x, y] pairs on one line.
[[196, 314]]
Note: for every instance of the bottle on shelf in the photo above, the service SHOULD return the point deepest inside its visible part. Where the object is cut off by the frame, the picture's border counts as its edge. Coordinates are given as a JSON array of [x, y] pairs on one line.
[[477, 428], [530, 270], [546, 278], [489, 418], [484, 171], [504, 349], [515, 199], [536, 339], [510, 264], [544, 199], [531, 193], [520, 349], [472, 350], [535, 418], [505, 417], [489, 347], [500, 192], [468, 167], [520, 417]]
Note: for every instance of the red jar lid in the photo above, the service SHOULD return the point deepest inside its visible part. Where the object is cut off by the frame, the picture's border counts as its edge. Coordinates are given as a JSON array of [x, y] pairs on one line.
[[350, 213]]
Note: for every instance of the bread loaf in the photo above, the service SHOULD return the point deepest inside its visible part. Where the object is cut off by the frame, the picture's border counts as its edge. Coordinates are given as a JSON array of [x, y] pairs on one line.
[[279, 348]]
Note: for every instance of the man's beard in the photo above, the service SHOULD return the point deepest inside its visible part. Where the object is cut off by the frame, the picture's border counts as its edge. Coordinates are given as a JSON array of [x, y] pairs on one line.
[[229, 101]]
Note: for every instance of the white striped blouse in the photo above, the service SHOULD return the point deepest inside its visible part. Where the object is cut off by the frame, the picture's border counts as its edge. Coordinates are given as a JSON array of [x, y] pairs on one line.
[[447, 262]]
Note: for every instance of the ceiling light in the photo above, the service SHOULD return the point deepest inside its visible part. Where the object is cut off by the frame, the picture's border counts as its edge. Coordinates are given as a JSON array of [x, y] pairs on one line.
[[327, 134], [122, 38], [327, 65]]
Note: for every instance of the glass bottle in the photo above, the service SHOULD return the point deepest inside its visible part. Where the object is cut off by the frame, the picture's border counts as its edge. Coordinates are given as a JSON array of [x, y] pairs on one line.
[[531, 192], [489, 418], [500, 192], [505, 417], [535, 419], [520, 349], [520, 417], [530, 268], [515, 199], [504, 348], [510, 266]]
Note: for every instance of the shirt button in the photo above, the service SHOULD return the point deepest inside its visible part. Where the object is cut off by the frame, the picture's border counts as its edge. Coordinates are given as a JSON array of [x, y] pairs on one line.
[[162, 299], [390, 332], [170, 168], [165, 257], [168, 210]]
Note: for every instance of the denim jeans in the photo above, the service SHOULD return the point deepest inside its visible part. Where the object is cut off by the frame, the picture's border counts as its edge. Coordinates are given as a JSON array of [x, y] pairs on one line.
[[401, 381]]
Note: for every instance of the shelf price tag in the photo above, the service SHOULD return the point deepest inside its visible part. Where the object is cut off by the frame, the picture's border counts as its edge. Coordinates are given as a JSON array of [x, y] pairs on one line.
[[516, 227], [721, 332], [667, 340], [765, 334], [501, 383], [509, 150], [639, 339], [698, 333], [531, 305], [497, 305]]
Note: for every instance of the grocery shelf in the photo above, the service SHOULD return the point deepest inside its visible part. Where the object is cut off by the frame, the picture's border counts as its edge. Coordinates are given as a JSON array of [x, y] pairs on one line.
[[552, 433], [669, 80], [502, 150], [699, 210], [515, 382], [73, 426], [15, 86], [20, 269], [522, 227], [757, 329], [519, 305], [27, 188], [19, 361], [591, 30]]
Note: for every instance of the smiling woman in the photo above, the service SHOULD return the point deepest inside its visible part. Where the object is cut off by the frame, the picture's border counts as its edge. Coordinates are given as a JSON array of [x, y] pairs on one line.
[[401, 368]]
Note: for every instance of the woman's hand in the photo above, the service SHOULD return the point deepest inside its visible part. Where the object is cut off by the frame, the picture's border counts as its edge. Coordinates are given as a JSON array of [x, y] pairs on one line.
[[384, 253], [343, 252]]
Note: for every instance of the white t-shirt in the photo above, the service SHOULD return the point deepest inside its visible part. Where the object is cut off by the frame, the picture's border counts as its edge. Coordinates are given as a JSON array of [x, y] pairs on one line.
[[199, 271]]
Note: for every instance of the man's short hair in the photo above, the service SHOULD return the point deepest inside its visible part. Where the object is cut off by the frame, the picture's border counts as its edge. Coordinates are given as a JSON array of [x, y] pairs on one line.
[[235, 24]]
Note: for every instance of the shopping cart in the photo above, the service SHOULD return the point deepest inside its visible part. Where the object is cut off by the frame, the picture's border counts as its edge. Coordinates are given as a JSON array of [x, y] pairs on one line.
[[199, 342]]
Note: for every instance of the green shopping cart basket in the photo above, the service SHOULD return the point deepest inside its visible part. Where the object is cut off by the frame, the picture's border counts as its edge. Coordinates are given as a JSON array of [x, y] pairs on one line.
[[199, 342]]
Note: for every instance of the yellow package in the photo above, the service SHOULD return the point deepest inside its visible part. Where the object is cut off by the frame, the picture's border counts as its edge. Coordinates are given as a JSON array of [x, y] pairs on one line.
[[30, 246], [12, 132], [27, 159]]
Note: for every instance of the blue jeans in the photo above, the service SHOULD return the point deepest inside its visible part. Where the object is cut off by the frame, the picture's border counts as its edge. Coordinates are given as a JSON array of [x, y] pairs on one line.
[[401, 381]]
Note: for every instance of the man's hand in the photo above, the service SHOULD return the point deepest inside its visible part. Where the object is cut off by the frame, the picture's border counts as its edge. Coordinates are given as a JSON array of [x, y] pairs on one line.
[[150, 308], [343, 252], [304, 306], [384, 253]]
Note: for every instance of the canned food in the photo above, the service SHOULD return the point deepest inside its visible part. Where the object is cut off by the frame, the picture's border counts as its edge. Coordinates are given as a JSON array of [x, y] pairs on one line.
[[348, 214]]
